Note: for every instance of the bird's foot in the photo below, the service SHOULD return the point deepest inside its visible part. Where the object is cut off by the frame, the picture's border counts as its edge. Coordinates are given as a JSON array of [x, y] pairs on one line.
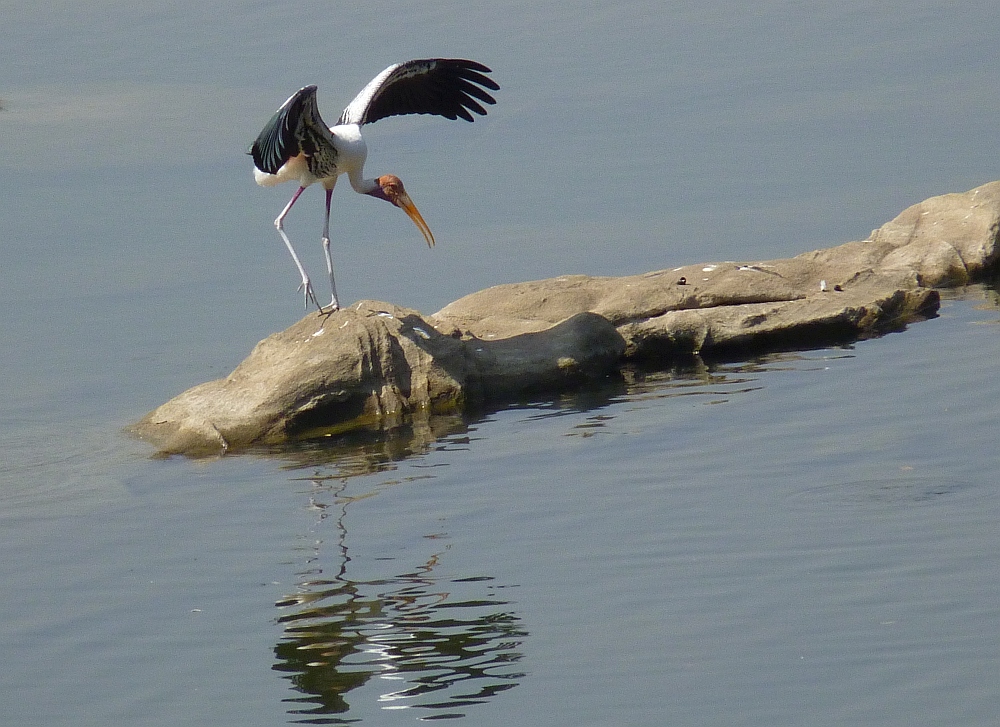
[[309, 295], [333, 307]]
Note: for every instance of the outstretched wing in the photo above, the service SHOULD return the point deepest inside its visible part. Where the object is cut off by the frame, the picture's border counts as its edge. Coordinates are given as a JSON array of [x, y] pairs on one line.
[[448, 87], [290, 132]]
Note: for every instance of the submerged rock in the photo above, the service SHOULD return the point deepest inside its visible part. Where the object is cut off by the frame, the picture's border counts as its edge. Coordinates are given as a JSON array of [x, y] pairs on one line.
[[379, 365]]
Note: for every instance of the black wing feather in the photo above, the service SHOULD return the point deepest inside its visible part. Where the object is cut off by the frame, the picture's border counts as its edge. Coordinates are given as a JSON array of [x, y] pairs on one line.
[[448, 87], [473, 90], [279, 140]]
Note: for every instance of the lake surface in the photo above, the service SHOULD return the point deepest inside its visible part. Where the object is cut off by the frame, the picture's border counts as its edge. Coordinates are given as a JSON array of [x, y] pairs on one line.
[[804, 539]]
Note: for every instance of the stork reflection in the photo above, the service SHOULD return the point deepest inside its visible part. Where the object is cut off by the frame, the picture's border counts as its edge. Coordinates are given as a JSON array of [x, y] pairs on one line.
[[421, 639]]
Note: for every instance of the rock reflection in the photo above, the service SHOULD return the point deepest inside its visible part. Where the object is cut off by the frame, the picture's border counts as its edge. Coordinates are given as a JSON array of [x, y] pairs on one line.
[[366, 451], [416, 640]]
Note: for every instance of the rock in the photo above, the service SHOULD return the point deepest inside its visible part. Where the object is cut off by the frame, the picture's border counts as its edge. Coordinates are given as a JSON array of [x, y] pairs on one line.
[[371, 365], [379, 365], [583, 346]]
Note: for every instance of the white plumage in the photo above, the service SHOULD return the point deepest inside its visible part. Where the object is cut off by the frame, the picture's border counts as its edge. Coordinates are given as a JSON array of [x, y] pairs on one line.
[[296, 145]]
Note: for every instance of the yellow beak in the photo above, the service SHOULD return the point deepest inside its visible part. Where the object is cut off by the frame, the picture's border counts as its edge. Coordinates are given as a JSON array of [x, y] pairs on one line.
[[404, 202]]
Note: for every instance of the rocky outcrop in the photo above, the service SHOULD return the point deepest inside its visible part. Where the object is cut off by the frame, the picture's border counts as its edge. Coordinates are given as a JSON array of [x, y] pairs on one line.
[[379, 365], [371, 365]]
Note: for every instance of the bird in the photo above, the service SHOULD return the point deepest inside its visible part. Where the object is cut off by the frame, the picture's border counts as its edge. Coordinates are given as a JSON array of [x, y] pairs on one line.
[[297, 145]]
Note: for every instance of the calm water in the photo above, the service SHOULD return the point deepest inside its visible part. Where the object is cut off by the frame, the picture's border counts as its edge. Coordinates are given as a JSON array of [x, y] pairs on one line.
[[805, 539]]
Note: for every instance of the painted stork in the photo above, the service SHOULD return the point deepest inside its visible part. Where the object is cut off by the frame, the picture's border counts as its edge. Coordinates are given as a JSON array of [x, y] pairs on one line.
[[296, 144]]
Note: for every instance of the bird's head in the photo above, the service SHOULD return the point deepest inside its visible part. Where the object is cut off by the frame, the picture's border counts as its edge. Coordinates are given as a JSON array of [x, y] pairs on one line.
[[390, 188]]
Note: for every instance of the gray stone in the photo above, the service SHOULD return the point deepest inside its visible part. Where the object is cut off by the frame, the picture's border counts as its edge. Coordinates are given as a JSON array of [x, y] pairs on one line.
[[371, 365]]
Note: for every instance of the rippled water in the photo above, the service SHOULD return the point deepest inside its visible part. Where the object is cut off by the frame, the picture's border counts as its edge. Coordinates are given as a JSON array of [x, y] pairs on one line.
[[804, 538], [808, 538]]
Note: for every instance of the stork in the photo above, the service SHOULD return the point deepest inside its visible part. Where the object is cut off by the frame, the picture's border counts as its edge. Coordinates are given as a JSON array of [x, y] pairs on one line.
[[296, 144]]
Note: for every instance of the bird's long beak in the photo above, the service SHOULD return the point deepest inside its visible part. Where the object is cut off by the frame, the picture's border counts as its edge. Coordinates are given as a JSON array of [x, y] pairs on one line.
[[404, 202], [390, 188]]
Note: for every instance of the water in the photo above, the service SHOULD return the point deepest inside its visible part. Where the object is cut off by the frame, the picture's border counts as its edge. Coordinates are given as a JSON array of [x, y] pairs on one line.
[[804, 539], [807, 538]]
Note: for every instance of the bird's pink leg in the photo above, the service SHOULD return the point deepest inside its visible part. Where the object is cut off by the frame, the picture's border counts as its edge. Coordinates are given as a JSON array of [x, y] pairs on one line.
[[334, 304], [280, 224]]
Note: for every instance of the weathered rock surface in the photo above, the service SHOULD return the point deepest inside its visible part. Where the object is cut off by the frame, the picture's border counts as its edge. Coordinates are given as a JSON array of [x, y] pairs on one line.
[[376, 364], [373, 364]]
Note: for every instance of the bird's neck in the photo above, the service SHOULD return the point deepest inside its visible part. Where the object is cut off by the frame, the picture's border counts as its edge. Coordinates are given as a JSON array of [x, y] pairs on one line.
[[373, 189], [364, 186]]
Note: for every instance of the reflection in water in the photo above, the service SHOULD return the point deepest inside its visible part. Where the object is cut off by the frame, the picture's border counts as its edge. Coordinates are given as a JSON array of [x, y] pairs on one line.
[[991, 297], [421, 641], [367, 451]]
